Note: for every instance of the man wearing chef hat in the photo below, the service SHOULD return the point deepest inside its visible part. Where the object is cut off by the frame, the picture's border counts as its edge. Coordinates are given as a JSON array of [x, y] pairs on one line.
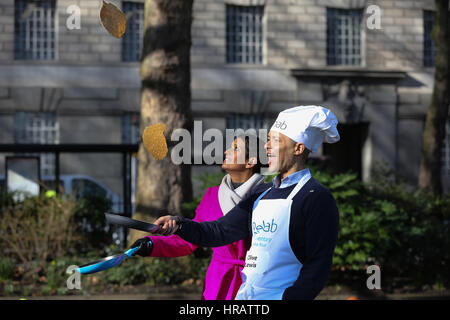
[[293, 224]]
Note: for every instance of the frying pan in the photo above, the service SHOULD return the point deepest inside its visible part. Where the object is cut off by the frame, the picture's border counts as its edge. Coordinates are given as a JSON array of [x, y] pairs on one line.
[[106, 263], [114, 261]]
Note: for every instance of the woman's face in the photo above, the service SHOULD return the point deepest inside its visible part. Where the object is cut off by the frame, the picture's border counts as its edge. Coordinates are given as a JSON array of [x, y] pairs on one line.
[[235, 156]]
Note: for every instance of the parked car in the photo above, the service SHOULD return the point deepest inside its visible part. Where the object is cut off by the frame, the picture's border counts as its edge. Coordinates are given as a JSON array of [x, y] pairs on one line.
[[79, 186]]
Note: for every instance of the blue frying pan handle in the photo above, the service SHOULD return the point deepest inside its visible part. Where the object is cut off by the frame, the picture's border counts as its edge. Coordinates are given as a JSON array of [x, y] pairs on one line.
[[129, 252]]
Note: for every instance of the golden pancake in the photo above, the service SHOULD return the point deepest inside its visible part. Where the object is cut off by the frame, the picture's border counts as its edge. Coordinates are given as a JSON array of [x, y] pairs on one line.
[[113, 19], [154, 140]]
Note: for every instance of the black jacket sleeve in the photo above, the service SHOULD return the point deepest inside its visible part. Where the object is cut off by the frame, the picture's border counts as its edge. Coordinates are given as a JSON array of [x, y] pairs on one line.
[[318, 235], [234, 226]]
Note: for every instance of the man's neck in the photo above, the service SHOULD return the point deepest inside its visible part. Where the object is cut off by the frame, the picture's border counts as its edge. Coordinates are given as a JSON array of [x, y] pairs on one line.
[[296, 167]]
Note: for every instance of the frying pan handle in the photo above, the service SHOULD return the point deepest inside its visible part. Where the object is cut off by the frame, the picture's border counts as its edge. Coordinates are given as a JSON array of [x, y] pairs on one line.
[[130, 223], [130, 252]]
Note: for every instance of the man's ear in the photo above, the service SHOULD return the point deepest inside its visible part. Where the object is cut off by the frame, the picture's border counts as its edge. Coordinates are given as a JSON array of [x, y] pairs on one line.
[[251, 163], [299, 148]]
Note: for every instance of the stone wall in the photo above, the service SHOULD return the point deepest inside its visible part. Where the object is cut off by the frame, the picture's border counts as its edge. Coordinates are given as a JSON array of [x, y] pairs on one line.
[[88, 81]]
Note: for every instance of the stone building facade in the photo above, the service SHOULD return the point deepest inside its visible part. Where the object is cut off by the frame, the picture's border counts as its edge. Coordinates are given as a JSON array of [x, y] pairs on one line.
[[250, 59]]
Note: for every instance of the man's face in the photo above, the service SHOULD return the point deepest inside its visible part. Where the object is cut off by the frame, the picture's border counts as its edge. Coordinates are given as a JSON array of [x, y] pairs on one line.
[[280, 151]]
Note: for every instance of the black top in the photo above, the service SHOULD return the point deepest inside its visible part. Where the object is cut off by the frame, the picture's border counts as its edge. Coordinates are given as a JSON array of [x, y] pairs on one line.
[[313, 231], [236, 184]]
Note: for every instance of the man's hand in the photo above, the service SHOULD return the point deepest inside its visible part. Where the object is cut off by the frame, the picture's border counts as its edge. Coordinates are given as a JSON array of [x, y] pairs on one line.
[[168, 225]]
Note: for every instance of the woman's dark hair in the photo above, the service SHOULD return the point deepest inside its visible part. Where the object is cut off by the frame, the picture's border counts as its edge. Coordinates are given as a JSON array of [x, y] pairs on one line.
[[251, 142]]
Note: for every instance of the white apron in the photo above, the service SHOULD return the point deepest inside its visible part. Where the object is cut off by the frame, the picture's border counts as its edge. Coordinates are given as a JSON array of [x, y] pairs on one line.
[[270, 265]]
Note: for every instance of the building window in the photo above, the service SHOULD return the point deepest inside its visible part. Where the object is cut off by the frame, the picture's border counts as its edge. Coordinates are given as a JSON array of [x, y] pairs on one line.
[[244, 34], [34, 30], [429, 47], [245, 121], [344, 36], [132, 39], [130, 128], [39, 128]]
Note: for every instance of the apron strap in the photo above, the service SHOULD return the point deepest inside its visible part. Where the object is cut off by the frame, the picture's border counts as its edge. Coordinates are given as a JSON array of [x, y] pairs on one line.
[[297, 188], [259, 198], [300, 184]]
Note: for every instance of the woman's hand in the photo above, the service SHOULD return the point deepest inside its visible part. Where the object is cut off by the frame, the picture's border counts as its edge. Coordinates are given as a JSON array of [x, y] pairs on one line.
[[145, 247], [168, 225]]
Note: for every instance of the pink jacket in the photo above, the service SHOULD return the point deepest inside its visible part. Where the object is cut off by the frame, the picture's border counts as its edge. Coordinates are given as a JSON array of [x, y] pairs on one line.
[[223, 277]]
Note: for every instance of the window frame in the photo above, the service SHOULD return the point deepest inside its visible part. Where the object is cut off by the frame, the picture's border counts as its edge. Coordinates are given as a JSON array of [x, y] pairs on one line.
[[25, 135], [131, 127], [130, 36], [429, 53], [249, 120], [43, 18], [333, 16], [257, 55]]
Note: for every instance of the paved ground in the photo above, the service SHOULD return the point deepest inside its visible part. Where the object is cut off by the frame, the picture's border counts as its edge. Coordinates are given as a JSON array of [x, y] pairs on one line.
[[181, 293]]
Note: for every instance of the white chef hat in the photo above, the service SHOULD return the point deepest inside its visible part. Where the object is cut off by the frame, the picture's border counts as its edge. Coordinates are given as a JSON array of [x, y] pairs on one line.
[[310, 125]]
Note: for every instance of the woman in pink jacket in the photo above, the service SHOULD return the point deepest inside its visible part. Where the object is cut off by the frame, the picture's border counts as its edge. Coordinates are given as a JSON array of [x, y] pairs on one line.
[[223, 277]]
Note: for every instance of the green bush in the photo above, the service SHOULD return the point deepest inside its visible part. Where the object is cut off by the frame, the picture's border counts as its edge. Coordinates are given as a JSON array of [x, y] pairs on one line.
[[55, 273], [44, 228], [150, 270], [406, 233], [9, 289], [6, 269], [37, 228], [40, 235], [131, 272], [418, 242], [156, 271], [90, 221]]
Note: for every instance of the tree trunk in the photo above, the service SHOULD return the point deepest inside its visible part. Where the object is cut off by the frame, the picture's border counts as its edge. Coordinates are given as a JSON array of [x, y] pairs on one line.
[[434, 132], [165, 98]]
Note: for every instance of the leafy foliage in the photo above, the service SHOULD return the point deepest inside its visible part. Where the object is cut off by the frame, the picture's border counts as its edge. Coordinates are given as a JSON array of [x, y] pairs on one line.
[[206, 181], [406, 233], [37, 228], [90, 221], [156, 271], [6, 269]]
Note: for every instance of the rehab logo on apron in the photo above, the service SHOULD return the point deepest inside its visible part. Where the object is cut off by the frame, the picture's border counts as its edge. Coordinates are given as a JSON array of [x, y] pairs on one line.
[[264, 227]]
